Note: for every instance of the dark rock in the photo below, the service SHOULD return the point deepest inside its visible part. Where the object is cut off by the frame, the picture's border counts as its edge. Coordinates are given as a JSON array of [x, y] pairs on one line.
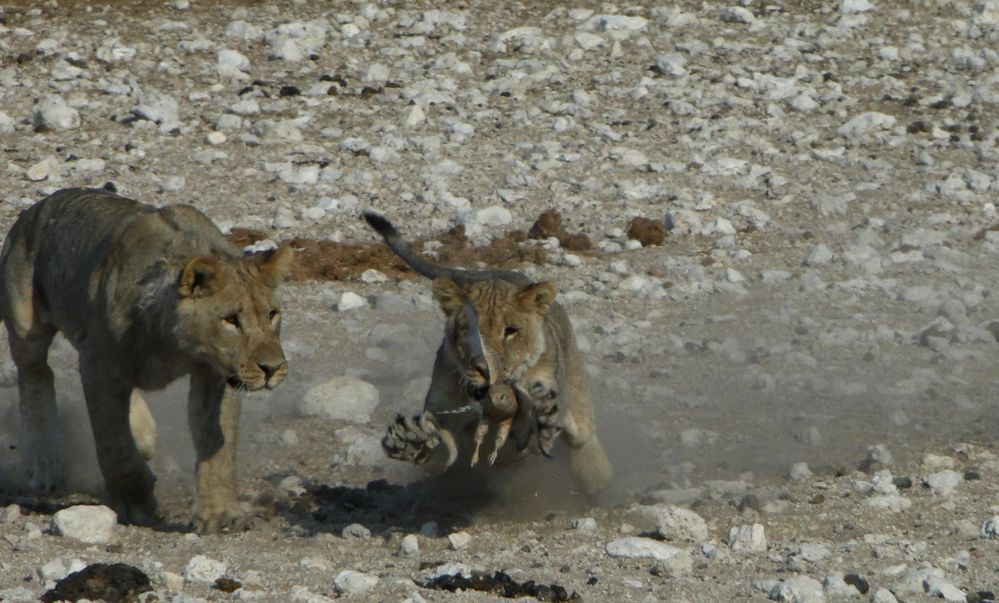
[[502, 585], [902, 482], [857, 582], [227, 585], [113, 583]]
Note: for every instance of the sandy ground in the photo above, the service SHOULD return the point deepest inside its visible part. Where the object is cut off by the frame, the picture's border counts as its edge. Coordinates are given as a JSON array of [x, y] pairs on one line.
[[826, 176]]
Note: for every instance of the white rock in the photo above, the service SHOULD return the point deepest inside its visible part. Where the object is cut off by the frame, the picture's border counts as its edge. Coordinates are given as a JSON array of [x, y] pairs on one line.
[[612, 23], [59, 568], [350, 301], [93, 524], [10, 514], [932, 462], [584, 524], [866, 123], [855, 6], [800, 472], [879, 454], [18, 594], [945, 589], [944, 482], [799, 589], [737, 14], [986, 13], [819, 255], [351, 582], [459, 540], [6, 123], [720, 226], [410, 546], [46, 169], [733, 276], [414, 116], [161, 109], [376, 73], [748, 539], [232, 61], [882, 595], [484, 221], [215, 138], [344, 398], [356, 530], [673, 64], [889, 502], [635, 546], [204, 569], [298, 594], [837, 589], [53, 113], [679, 523], [990, 528], [811, 552]]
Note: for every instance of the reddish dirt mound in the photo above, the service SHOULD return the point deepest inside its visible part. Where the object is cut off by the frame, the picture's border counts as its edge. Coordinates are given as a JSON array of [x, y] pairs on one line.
[[549, 224], [647, 231], [317, 260]]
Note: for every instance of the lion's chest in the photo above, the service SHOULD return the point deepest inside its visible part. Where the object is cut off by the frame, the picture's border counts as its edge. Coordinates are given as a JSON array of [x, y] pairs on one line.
[[156, 371]]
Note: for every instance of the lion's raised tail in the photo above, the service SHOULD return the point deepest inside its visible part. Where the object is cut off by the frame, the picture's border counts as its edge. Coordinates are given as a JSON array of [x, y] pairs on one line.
[[427, 268], [402, 249]]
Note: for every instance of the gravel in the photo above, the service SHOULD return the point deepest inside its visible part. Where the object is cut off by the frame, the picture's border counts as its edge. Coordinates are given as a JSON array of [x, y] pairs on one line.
[[794, 385]]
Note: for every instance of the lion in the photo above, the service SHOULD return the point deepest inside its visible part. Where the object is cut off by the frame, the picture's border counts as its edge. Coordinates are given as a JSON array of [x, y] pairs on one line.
[[146, 295], [501, 330]]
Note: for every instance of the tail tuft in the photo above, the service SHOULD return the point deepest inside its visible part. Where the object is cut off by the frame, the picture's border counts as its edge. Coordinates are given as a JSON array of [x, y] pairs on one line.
[[379, 223]]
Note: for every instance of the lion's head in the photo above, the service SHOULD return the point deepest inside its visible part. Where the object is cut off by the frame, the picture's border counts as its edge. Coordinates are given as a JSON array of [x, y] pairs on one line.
[[496, 327], [228, 317]]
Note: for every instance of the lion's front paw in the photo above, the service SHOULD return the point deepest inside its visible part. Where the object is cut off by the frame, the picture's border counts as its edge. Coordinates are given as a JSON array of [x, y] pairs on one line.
[[542, 391], [136, 511], [548, 425], [225, 519], [412, 438]]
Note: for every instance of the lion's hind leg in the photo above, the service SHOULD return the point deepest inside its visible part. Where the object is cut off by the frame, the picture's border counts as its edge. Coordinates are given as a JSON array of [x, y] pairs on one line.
[[588, 461], [42, 439]]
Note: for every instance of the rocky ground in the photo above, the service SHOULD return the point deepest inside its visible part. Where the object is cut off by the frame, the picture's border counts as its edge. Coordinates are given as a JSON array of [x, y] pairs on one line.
[[796, 385]]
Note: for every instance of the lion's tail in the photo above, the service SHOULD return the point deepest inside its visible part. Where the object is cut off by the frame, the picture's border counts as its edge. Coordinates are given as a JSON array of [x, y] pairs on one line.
[[402, 249]]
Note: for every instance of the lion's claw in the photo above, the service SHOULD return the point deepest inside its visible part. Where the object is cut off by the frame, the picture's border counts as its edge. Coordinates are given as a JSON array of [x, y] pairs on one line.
[[412, 438]]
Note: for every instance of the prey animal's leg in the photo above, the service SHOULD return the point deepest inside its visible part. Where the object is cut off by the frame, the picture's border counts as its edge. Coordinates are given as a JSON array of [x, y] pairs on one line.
[[502, 433], [480, 435]]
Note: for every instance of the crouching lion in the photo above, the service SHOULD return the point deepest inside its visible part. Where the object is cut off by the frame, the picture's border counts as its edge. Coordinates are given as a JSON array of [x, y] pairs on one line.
[[503, 332], [146, 296]]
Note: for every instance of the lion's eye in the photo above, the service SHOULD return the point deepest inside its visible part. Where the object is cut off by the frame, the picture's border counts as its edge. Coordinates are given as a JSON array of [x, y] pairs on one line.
[[510, 331], [232, 319]]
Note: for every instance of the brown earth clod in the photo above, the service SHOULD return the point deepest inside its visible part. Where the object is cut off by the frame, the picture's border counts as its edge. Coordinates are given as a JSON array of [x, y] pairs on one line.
[[549, 224], [647, 231], [319, 260]]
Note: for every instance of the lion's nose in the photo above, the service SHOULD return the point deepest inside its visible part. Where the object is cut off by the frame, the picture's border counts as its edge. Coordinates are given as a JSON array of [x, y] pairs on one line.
[[481, 367], [270, 369]]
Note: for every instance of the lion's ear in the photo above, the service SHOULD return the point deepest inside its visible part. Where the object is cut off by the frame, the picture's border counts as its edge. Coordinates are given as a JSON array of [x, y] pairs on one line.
[[448, 294], [199, 278], [537, 297], [274, 264]]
